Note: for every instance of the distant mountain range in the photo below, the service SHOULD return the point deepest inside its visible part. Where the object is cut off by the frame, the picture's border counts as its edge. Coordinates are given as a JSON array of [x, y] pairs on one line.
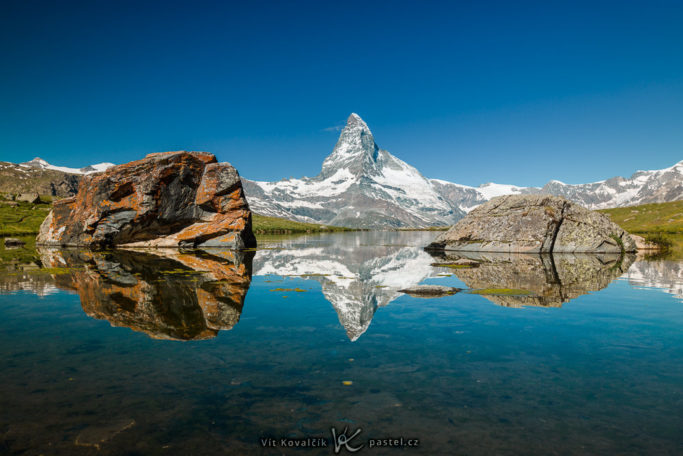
[[41, 177], [363, 186]]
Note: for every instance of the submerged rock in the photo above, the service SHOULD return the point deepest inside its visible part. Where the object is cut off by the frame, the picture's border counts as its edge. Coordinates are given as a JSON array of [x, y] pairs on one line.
[[170, 199], [430, 291], [534, 224]]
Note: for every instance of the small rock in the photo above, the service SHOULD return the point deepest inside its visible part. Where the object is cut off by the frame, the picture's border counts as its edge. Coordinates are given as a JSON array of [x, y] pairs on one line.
[[430, 291], [643, 244], [13, 242], [33, 198]]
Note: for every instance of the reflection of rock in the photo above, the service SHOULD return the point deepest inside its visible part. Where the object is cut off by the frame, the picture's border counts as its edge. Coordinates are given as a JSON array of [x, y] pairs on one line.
[[167, 294], [553, 279], [171, 199], [663, 274], [359, 272], [534, 224], [13, 242]]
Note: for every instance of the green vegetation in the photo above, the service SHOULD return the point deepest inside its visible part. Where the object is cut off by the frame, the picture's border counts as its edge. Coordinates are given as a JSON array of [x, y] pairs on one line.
[[649, 218], [659, 223], [501, 291], [19, 218], [20, 255], [619, 242], [262, 224]]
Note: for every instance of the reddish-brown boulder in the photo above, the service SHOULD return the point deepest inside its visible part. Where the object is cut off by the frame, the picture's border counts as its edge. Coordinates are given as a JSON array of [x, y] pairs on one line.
[[168, 199]]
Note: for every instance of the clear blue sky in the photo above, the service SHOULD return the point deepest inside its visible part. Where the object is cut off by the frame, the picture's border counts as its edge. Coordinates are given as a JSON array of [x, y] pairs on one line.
[[511, 92]]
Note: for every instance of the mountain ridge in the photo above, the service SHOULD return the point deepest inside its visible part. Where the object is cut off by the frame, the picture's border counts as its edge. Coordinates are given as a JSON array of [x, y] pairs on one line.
[[359, 170], [361, 185]]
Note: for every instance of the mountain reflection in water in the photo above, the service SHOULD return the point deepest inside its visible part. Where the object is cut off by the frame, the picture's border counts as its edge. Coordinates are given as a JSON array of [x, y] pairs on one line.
[[191, 295], [167, 294]]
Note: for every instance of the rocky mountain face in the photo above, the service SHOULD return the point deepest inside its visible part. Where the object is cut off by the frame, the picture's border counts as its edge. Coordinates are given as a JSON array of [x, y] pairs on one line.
[[38, 176], [534, 224], [169, 199], [360, 185]]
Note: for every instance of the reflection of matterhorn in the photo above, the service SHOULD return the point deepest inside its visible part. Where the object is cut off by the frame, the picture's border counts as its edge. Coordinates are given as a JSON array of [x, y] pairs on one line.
[[665, 275], [358, 272]]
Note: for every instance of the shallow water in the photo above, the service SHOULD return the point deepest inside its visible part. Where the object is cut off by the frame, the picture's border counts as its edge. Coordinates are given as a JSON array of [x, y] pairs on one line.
[[172, 352]]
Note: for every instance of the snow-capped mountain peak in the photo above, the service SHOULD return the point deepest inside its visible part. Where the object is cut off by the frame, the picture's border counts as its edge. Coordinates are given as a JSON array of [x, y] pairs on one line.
[[360, 185], [355, 150], [42, 164]]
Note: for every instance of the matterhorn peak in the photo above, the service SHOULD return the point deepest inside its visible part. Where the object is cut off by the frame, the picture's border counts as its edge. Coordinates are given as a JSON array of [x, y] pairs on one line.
[[355, 149]]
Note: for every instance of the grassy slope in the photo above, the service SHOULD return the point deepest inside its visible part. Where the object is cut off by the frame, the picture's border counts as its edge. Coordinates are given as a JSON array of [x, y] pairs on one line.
[[266, 225], [649, 218], [25, 218], [652, 221]]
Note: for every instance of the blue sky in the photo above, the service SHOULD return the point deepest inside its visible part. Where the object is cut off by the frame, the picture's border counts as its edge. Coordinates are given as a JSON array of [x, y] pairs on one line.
[[472, 92]]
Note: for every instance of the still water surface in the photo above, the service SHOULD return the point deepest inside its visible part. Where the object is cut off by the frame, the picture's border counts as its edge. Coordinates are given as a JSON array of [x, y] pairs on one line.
[[169, 353]]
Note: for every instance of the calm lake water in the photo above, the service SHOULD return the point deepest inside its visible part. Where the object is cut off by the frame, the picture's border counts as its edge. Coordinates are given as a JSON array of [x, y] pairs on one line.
[[192, 353]]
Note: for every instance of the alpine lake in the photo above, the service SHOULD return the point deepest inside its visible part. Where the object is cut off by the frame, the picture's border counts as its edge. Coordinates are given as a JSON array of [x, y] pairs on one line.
[[306, 346]]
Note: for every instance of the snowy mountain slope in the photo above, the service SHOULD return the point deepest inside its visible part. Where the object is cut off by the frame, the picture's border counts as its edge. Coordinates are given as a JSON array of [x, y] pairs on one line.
[[360, 185], [38, 176], [643, 187], [39, 163]]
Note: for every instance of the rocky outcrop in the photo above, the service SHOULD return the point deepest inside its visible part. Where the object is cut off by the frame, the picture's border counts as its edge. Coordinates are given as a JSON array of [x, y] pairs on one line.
[[169, 294], [534, 224], [170, 199]]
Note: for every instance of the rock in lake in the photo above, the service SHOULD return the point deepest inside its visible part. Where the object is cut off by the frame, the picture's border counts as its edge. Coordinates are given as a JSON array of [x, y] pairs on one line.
[[168, 199], [534, 224], [430, 291]]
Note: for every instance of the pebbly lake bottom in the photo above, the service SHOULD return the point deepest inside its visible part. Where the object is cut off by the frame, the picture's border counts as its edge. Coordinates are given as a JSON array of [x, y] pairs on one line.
[[211, 353]]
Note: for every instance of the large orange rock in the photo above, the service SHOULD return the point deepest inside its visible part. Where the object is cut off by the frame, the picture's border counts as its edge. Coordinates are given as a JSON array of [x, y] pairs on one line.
[[168, 199]]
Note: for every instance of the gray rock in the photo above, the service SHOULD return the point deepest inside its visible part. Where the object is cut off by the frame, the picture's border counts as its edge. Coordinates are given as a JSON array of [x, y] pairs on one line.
[[430, 291], [534, 224], [28, 198], [13, 242]]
